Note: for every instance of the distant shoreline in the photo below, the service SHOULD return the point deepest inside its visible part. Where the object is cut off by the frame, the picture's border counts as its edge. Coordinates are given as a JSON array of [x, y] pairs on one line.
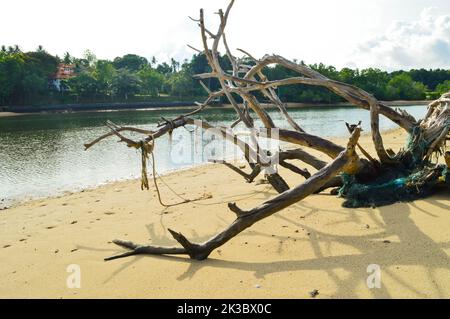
[[78, 108], [11, 114]]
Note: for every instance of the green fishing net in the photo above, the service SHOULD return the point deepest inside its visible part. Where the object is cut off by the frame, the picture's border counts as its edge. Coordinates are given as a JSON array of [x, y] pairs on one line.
[[392, 186], [413, 178]]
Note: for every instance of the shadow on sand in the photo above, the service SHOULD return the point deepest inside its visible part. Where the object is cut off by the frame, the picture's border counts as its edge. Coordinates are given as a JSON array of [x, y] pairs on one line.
[[412, 248]]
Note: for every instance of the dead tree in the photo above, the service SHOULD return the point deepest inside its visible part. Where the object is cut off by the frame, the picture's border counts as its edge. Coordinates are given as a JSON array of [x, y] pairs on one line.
[[412, 172]]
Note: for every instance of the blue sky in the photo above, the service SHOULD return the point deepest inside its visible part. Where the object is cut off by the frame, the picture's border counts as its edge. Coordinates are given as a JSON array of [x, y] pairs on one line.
[[390, 34]]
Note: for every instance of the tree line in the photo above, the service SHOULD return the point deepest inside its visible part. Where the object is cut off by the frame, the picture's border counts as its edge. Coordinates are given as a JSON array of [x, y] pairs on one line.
[[26, 79]]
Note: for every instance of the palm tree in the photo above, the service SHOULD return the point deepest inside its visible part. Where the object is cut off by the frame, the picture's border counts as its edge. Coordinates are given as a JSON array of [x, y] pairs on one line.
[[175, 65]]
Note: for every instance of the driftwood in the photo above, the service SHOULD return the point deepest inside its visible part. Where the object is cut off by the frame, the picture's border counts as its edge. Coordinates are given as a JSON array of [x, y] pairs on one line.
[[428, 138]]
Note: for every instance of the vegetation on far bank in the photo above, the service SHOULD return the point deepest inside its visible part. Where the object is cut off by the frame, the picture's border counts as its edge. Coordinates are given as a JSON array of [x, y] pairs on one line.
[[25, 79]]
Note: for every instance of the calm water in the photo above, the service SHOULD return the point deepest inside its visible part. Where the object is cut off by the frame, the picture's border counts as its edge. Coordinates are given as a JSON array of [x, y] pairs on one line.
[[43, 155]]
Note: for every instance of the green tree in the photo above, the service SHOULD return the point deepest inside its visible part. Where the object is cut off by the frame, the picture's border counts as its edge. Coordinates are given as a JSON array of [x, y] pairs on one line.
[[24, 77], [32, 86], [67, 58], [374, 81], [443, 87], [42, 63], [132, 62], [85, 85], [403, 87], [348, 75], [14, 49], [104, 72], [152, 81], [181, 84], [164, 68], [11, 73], [126, 84], [175, 65], [431, 78], [90, 57]]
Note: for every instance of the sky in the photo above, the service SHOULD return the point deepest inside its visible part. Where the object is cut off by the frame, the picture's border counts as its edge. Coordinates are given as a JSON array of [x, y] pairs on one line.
[[388, 34]]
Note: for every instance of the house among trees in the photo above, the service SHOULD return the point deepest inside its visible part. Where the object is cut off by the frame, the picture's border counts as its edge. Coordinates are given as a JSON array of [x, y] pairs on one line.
[[64, 72]]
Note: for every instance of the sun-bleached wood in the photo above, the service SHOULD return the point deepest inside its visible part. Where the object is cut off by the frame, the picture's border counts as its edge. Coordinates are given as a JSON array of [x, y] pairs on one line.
[[429, 136]]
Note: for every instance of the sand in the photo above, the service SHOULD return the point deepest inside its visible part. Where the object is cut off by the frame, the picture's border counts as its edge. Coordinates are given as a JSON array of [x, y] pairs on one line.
[[315, 244], [11, 114]]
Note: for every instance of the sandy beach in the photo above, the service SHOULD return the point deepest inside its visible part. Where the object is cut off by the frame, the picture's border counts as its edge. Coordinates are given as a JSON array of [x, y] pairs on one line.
[[315, 244], [9, 114]]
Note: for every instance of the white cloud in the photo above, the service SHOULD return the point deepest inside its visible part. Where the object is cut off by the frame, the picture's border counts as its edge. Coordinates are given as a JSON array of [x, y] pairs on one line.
[[405, 45]]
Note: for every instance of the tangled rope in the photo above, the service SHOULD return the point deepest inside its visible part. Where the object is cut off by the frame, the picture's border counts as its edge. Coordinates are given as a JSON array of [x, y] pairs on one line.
[[147, 149]]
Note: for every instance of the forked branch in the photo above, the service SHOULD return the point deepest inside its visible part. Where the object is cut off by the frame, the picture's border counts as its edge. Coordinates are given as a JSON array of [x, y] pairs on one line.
[[246, 219]]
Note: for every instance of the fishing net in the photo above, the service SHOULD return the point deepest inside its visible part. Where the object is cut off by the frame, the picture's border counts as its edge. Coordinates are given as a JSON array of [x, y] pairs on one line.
[[416, 148], [393, 185], [414, 177]]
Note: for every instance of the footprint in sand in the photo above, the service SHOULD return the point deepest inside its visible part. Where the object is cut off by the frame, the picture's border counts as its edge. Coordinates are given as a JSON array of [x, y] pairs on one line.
[[23, 239], [65, 204], [74, 222], [50, 227], [110, 213], [6, 246]]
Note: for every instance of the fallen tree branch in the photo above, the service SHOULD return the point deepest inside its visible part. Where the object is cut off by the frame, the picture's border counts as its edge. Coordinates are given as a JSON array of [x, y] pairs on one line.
[[246, 219], [360, 181]]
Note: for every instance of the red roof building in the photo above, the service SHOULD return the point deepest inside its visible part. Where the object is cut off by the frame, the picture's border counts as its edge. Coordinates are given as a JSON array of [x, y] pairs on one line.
[[65, 71]]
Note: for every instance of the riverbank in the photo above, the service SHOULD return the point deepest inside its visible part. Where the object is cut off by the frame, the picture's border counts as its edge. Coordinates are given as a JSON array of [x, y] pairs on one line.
[[388, 103], [164, 106], [315, 244], [10, 114]]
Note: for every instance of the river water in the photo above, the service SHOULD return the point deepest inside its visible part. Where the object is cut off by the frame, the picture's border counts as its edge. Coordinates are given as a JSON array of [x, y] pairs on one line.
[[43, 155]]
